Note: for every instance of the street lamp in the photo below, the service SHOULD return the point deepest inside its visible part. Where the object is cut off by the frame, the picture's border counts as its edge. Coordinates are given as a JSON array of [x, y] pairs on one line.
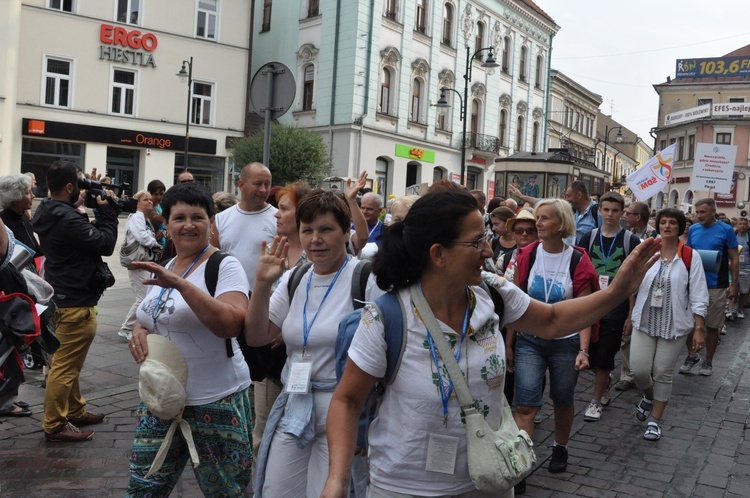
[[618, 139], [186, 75], [443, 102]]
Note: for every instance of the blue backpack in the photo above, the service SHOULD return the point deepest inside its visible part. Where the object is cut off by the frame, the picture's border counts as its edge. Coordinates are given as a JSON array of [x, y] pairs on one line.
[[389, 308]]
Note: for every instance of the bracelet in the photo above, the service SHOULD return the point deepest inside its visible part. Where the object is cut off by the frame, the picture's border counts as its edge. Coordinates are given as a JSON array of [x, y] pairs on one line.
[[583, 351]]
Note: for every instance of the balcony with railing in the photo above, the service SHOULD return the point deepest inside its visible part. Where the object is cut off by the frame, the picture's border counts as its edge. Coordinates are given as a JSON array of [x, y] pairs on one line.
[[484, 143]]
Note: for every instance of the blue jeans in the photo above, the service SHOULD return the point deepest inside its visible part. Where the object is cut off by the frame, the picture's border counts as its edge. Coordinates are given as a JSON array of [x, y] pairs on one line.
[[533, 357]]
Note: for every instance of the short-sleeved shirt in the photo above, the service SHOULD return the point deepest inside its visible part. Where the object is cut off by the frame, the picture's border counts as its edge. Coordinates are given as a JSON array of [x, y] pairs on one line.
[[587, 221], [412, 406], [717, 237], [212, 375], [744, 241]]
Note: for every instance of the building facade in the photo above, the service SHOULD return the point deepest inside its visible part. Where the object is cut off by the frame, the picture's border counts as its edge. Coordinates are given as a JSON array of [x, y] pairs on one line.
[[702, 106], [368, 74], [95, 83], [571, 116]]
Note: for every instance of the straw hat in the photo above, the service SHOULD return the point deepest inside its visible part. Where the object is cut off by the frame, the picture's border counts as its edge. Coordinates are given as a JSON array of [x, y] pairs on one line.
[[523, 215]]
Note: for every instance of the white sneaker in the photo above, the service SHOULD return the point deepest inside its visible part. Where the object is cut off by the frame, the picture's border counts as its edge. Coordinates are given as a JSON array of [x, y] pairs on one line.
[[125, 335], [593, 412], [740, 315]]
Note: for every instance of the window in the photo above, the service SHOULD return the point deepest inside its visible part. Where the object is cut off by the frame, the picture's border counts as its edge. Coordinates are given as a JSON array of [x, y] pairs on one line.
[[416, 99], [538, 72], [200, 109], [506, 54], [535, 138], [519, 134], [438, 173], [390, 9], [61, 5], [735, 100], [724, 138], [206, 27], [479, 40], [522, 67], [421, 19], [448, 25], [503, 129], [266, 23], [691, 147], [385, 91], [475, 105], [705, 101], [313, 8], [127, 11], [662, 145], [307, 88], [681, 149], [123, 92], [57, 79]]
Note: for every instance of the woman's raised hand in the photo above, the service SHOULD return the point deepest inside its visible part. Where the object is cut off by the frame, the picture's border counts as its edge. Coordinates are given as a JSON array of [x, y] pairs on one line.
[[634, 268], [271, 264], [352, 187]]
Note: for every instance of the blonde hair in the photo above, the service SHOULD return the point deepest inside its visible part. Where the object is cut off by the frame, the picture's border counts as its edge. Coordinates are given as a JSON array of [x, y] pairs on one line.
[[564, 212], [137, 196]]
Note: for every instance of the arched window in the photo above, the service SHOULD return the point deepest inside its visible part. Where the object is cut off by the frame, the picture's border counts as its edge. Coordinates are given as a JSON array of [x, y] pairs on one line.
[[506, 55], [538, 73], [535, 138], [479, 40], [475, 107], [503, 129], [519, 134], [385, 91], [522, 68], [416, 101], [448, 24], [438, 173], [308, 87]]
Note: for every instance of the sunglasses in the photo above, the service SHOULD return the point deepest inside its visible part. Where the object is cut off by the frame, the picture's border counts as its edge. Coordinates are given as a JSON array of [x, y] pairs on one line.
[[527, 231]]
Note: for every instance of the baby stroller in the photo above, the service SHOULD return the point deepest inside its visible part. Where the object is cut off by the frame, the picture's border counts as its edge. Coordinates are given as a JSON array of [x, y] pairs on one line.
[[19, 327]]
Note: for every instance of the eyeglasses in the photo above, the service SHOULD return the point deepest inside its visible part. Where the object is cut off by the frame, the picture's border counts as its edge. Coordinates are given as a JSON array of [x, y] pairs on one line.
[[527, 231], [187, 181], [476, 244]]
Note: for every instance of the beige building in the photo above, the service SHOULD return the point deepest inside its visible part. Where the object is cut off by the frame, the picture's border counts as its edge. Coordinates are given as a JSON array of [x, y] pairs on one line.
[[699, 106], [95, 82], [571, 117]]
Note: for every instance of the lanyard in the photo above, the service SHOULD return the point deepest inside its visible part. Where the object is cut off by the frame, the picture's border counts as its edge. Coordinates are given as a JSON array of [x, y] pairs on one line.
[[464, 328], [373, 228], [601, 243], [161, 304], [549, 283], [305, 327]]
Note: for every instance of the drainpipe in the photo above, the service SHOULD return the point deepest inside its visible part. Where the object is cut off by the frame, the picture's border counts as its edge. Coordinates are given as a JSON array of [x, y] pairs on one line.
[[333, 79], [547, 92], [249, 68], [356, 168]]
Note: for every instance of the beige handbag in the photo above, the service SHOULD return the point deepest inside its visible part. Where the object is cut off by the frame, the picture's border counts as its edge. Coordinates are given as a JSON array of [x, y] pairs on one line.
[[498, 460]]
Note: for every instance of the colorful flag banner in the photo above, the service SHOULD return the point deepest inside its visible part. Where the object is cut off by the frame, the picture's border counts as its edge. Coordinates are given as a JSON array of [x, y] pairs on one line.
[[653, 176]]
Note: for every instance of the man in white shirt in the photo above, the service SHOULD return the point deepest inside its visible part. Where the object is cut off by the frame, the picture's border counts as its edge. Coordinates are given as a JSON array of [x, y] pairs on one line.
[[239, 230]]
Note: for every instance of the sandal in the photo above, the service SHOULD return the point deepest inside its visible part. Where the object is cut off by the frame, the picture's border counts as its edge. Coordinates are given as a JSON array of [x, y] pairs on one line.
[[21, 404], [653, 432], [643, 409], [17, 412]]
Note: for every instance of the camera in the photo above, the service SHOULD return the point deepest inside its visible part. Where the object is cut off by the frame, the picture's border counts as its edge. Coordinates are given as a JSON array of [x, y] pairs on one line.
[[121, 203]]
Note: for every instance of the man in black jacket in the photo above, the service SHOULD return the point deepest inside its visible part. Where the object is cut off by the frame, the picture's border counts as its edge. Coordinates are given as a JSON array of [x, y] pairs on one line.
[[73, 248]]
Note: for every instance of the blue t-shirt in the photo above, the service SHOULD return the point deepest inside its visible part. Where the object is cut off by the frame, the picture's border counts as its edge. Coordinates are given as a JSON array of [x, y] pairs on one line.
[[587, 221], [718, 237], [375, 235], [744, 256]]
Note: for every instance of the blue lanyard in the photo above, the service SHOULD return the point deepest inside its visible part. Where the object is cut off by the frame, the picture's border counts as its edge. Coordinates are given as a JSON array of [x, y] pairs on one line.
[[464, 328], [161, 304], [601, 243], [305, 327]]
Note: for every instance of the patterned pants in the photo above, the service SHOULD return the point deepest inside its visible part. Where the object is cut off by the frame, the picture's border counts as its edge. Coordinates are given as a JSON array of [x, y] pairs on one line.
[[223, 437]]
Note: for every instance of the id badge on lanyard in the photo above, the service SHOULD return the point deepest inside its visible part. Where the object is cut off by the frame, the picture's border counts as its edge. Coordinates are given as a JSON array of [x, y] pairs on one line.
[[300, 374]]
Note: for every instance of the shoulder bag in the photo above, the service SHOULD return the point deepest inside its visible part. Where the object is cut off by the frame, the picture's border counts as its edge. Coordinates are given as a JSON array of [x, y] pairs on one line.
[[498, 459], [134, 251]]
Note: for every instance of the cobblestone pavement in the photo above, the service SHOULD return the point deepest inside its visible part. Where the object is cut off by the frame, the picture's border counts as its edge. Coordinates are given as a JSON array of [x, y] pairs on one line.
[[703, 451]]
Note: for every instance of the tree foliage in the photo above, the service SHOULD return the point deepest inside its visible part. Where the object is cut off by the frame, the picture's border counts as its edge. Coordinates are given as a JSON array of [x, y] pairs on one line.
[[296, 154]]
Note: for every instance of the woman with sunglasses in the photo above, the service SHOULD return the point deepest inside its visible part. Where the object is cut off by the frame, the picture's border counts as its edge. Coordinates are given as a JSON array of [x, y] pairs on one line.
[[438, 250]]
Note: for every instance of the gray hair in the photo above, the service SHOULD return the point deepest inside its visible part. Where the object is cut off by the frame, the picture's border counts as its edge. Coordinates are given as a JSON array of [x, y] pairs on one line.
[[564, 212], [377, 198], [407, 201], [12, 188]]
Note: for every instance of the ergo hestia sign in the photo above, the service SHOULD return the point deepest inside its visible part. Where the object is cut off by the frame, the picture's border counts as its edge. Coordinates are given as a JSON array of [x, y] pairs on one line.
[[136, 45]]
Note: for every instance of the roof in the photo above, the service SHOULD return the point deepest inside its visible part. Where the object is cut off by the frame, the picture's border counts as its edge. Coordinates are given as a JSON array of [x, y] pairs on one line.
[[531, 5]]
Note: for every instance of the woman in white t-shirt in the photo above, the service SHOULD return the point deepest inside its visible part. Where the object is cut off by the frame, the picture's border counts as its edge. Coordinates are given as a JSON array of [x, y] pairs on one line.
[[440, 246], [179, 306], [294, 449]]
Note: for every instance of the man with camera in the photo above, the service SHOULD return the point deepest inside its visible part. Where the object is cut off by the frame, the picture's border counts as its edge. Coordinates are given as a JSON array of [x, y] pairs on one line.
[[73, 248]]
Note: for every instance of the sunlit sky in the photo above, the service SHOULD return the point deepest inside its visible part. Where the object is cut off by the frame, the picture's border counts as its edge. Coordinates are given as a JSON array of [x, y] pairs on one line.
[[619, 50]]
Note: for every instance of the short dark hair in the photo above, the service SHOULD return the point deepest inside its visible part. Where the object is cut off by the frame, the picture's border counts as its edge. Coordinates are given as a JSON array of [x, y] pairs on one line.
[[436, 218], [579, 186], [494, 203], [320, 202], [61, 173], [613, 197], [155, 185], [706, 201], [675, 214], [641, 209], [192, 194]]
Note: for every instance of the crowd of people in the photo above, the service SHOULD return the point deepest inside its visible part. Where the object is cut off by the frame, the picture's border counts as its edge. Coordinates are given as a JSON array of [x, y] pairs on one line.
[[251, 290]]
